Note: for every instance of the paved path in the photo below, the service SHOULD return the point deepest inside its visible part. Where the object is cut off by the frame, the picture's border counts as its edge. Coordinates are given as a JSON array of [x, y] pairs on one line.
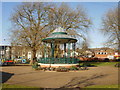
[[25, 75]]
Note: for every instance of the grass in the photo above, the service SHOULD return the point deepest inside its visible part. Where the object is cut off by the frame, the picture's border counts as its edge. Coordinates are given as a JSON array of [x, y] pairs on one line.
[[103, 86], [7, 86], [101, 63]]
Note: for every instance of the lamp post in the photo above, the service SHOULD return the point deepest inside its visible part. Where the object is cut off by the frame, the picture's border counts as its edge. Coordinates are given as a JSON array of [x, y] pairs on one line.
[[4, 51], [1, 52]]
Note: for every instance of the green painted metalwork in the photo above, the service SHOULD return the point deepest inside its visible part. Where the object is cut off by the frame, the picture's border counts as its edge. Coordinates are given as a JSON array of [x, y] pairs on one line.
[[56, 39], [64, 50], [75, 40], [52, 49], [74, 48], [44, 50], [68, 49], [58, 60]]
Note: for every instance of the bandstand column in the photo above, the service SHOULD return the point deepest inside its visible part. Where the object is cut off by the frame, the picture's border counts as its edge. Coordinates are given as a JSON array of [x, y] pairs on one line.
[[65, 50], [68, 49], [74, 49], [44, 49], [44, 52], [52, 49]]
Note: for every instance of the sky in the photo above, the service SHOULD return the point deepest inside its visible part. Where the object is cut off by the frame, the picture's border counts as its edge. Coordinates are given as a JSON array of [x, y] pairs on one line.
[[95, 11]]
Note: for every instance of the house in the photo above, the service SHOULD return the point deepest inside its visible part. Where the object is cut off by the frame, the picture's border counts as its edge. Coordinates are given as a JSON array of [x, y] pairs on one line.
[[5, 51], [100, 53], [12, 52], [104, 53]]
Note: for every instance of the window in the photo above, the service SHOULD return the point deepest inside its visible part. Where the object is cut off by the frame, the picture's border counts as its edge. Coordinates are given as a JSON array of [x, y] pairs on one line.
[[98, 53], [102, 52], [105, 52]]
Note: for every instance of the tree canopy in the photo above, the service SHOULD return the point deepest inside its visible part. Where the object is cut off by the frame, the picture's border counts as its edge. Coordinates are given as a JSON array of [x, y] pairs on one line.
[[111, 26], [36, 20]]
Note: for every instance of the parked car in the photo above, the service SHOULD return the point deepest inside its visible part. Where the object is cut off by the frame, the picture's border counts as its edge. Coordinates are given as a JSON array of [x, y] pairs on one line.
[[21, 61], [8, 62]]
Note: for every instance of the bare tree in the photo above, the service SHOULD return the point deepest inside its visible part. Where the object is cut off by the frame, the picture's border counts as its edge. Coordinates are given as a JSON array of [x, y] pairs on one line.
[[85, 51], [34, 21], [111, 27], [74, 21]]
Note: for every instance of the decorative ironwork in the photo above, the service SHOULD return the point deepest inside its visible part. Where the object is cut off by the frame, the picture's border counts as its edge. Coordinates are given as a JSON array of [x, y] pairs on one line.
[[58, 60], [59, 55]]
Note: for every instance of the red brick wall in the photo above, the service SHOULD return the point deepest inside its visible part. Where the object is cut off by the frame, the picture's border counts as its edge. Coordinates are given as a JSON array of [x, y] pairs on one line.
[[103, 53]]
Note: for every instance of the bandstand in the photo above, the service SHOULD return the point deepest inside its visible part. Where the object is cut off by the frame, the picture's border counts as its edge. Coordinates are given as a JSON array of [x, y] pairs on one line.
[[57, 50]]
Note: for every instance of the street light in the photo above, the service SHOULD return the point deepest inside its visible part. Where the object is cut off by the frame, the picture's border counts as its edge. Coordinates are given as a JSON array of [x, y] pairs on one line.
[[1, 53], [4, 50]]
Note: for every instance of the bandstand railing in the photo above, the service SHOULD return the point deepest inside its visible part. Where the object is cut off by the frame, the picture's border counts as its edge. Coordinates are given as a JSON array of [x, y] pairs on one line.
[[58, 60]]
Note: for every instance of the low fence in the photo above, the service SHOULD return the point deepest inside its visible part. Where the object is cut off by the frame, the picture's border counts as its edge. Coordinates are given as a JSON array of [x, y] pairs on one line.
[[58, 60]]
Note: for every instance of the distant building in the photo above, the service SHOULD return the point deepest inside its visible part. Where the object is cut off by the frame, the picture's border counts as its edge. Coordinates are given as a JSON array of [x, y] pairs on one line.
[[104, 53], [5, 51], [11, 52]]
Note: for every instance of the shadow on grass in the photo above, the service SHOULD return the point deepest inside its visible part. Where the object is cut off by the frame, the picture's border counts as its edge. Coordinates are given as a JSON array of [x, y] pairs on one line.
[[87, 64]]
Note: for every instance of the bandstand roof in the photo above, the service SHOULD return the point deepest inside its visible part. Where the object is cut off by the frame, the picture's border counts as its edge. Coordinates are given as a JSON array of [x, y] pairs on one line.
[[59, 35]]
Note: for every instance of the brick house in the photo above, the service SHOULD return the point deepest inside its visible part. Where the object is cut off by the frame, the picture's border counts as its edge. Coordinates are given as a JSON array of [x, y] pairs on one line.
[[104, 53]]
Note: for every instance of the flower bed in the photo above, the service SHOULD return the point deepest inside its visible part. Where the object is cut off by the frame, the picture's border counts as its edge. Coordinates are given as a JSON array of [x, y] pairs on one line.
[[62, 69]]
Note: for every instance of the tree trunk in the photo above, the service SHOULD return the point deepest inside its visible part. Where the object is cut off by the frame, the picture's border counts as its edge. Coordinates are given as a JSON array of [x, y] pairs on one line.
[[10, 53], [119, 48], [33, 59]]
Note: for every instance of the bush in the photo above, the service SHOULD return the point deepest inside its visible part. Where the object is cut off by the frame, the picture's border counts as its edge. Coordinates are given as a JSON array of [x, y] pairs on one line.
[[117, 65], [95, 60], [52, 69], [62, 69], [84, 68], [88, 64], [35, 66], [106, 60], [73, 68]]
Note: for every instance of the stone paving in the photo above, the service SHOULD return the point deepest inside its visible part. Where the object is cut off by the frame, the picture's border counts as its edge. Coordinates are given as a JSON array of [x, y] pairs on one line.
[[25, 75]]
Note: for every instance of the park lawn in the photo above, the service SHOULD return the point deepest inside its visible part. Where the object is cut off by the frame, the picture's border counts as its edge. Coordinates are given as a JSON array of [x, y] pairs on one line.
[[103, 86], [104, 63], [101, 63], [5, 86]]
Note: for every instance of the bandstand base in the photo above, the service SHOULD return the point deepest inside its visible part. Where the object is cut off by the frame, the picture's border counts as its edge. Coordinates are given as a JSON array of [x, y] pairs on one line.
[[57, 65]]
